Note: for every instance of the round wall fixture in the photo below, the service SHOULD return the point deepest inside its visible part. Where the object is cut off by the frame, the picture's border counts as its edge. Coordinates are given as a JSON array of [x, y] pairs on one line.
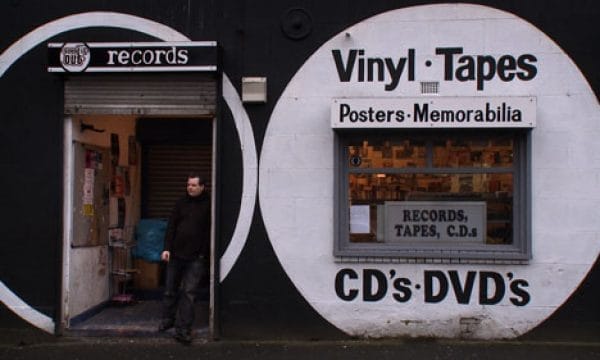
[[296, 24]]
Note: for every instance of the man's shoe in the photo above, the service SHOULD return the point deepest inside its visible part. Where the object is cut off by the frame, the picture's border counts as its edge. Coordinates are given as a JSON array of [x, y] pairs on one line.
[[183, 336], [165, 325]]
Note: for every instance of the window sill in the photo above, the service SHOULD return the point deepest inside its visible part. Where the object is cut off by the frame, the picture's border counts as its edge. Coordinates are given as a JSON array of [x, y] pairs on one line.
[[404, 260]]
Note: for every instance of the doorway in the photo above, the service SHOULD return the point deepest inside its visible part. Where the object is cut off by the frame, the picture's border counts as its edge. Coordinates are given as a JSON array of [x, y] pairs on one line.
[[124, 171]]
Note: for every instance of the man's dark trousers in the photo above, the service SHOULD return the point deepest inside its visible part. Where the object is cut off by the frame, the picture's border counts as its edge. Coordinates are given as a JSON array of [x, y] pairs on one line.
[[181, 289]]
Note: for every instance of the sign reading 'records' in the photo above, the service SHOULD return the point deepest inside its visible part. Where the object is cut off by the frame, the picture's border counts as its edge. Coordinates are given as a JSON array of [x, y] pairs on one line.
[[133, 57]]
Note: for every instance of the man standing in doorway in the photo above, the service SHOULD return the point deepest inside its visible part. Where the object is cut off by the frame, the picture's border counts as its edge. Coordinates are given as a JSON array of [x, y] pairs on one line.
[[187, 244]]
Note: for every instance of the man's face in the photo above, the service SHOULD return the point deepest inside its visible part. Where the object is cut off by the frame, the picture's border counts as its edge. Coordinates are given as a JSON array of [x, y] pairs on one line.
[[194, 188]]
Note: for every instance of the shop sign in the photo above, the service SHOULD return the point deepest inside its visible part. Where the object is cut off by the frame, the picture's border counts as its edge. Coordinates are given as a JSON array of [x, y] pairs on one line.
[[360, 66], [133, 57], [434, 112], [435, 221], [483, 287]]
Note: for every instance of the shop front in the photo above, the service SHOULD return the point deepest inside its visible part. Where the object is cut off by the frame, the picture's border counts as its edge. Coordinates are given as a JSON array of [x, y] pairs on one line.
[[138, 118], [405, 175], [407, 171]]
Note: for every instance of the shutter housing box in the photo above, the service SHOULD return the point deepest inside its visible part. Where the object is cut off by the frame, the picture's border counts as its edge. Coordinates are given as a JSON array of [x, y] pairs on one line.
[[141, 94]]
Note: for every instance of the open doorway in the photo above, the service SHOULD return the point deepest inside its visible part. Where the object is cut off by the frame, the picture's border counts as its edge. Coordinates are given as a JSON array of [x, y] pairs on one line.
[[123, 174], [127, 174]]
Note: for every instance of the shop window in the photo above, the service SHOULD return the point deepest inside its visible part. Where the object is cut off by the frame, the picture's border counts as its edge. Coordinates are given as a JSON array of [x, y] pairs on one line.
[[458, 195]]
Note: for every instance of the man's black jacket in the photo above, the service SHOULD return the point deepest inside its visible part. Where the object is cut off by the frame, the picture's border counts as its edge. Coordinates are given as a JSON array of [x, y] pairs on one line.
[[188, 232]]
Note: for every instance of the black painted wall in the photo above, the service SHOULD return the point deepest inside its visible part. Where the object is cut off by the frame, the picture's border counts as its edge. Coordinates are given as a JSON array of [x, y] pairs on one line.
[[257, 299]]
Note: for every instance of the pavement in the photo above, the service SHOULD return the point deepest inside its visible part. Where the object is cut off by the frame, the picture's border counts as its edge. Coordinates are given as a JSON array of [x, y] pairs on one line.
[[565, 340], [131, 349]]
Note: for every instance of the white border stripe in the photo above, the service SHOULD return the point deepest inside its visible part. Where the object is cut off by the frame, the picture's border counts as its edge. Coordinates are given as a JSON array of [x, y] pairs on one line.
[[138, 69], [129, 45]]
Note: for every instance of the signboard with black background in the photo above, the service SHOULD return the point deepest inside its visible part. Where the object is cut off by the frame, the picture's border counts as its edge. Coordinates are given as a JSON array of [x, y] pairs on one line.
[[132, 57]]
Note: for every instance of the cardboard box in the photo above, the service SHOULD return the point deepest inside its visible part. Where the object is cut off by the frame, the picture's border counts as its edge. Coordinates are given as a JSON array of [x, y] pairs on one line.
[[148, 276]]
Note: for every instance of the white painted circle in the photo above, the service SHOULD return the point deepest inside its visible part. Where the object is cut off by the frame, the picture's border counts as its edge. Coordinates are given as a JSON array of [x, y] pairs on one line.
[[242, 123], [296, 191]]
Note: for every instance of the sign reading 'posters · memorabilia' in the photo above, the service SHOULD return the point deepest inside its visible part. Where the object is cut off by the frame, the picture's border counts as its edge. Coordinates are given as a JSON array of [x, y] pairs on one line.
[[436, 112]]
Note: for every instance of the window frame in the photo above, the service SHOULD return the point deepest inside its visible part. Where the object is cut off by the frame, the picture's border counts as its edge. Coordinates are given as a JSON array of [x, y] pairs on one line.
[[520, 249]]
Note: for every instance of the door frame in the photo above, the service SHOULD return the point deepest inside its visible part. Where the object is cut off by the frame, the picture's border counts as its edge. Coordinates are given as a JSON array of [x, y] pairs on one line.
[[63, 316]]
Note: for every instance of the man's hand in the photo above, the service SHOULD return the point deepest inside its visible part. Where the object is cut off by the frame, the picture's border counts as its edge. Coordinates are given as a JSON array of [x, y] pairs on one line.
[[165, 256]]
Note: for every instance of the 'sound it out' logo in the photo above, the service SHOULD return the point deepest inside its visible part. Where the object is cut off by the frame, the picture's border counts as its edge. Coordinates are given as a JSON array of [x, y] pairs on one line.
[[75, 57]]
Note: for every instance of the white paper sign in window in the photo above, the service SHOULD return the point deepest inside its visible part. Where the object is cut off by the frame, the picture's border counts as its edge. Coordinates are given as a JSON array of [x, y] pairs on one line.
[[435, 221]]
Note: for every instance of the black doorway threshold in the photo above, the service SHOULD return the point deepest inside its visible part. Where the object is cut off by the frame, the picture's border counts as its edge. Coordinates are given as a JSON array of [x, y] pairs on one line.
[[139, 318]]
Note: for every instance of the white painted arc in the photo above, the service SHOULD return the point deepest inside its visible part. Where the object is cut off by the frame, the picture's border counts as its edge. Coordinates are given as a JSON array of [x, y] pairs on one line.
[[250, 161], [242, 122], [19, 307]]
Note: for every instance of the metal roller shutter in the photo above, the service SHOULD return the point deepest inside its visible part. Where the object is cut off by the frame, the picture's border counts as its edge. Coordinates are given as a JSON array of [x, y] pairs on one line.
[[166, 170], [141, 94]]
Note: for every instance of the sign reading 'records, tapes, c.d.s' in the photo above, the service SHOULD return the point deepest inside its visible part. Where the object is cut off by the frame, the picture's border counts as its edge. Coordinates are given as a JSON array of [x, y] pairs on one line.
[[133, 57], [434, 221], [438, 112]]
